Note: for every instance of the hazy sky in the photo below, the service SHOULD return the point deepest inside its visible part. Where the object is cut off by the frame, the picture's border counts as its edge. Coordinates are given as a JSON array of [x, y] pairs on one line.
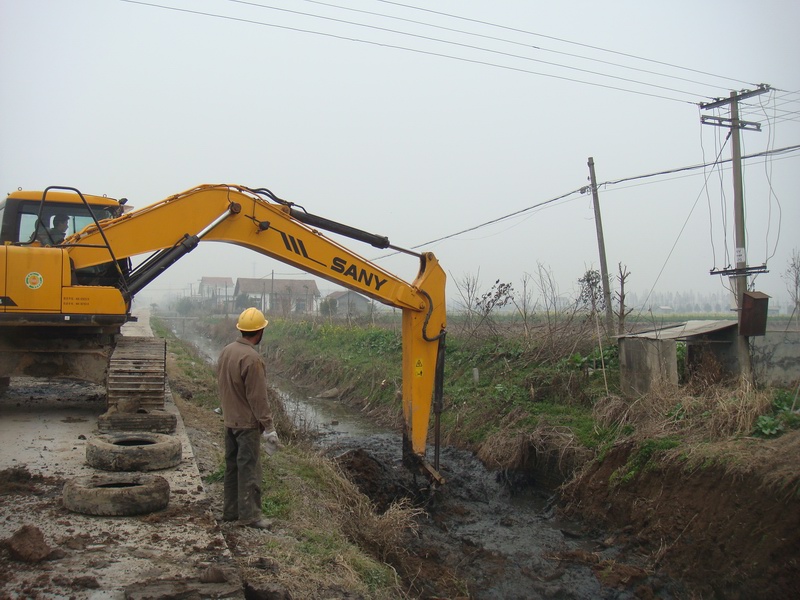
[[420, 136]]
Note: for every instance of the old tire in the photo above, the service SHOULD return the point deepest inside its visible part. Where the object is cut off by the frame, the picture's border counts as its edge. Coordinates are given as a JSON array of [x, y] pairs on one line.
[[133, 451], [116, 494]]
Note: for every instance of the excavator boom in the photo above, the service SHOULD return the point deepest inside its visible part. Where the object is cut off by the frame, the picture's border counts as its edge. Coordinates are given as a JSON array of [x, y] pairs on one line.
[[65, 293]]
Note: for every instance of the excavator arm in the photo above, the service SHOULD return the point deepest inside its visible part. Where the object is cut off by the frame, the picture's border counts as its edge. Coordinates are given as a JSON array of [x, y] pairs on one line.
[[259, 221]]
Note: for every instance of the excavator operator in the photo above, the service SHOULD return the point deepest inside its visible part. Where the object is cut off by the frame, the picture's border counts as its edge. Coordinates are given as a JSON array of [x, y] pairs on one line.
[[52, 236]]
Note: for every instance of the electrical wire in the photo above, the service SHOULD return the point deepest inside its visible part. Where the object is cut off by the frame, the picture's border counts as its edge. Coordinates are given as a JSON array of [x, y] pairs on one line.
[[772, 194], [723, 203], [680, 233], [722, 166], [779, 151], [549, 37], [583, 190], [409, 49], [495, 38], [580, 190], [708, 197], [461, 45]]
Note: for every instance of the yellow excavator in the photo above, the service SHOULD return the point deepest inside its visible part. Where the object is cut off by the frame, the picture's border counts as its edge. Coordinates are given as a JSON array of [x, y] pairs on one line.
[[65, 291]]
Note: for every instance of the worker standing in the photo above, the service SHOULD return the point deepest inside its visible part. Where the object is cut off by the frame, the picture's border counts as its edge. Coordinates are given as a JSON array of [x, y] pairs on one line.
[[248, 419]]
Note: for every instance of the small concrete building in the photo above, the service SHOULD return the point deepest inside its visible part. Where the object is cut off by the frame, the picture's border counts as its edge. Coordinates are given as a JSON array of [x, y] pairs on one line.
[[648, 358], [348, 304]]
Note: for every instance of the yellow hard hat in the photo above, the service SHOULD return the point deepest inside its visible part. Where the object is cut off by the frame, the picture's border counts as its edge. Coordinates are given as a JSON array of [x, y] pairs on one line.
[[251, 319]]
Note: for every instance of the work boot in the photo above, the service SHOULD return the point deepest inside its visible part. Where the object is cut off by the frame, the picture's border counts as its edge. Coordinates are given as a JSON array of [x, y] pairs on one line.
[[259, 524]]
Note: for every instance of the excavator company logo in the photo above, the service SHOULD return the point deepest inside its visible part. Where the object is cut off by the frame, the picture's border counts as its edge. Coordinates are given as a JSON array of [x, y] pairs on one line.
[[34, 280], [359, 275], [294, 244]]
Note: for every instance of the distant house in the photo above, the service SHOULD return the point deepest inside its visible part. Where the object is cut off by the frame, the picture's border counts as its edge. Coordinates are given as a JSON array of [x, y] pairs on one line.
[[348, 304], [282, 296], [215, 292]]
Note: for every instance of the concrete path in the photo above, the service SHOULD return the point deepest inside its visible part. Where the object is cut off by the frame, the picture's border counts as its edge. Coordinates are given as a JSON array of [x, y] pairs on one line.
[[44, 428]]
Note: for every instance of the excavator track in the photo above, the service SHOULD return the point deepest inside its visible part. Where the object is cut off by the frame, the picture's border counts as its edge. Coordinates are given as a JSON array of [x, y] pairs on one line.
[[137, 374], [136, 387]]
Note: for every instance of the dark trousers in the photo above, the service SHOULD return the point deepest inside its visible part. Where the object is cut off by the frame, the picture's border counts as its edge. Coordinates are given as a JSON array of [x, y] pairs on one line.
[[243, 475]]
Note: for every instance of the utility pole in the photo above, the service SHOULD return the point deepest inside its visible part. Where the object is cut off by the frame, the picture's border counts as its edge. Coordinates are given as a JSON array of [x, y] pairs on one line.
[[740, 272], [601, 245]]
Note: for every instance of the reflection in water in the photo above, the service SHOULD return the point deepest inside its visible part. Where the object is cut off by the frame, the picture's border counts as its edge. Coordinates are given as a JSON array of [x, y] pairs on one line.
[[330, 419]]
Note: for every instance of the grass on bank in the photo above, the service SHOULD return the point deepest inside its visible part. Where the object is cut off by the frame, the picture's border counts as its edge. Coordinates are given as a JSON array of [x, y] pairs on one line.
[[508, 397], [192, 372], [328, 537]]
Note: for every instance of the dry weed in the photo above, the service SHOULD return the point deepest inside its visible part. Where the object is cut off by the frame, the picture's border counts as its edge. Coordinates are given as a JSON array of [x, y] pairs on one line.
[[511, 447], [507, 447], [716, 412], [772, 461], [355, 514]]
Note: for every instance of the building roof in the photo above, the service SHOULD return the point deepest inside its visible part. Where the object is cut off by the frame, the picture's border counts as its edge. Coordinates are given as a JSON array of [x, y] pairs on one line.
[[295, 287], [216, 281], [337, 295], [682, 331]]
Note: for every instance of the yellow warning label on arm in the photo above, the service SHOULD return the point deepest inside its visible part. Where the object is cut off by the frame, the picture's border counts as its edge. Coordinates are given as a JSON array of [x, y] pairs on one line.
[[418, 368]]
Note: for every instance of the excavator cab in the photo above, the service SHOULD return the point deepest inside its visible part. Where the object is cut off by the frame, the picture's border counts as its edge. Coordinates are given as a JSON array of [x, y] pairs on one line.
[[24, 218], [29, 219]]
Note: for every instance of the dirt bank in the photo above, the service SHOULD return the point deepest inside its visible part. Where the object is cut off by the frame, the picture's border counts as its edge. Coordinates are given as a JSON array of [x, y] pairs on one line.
[[725, 531]]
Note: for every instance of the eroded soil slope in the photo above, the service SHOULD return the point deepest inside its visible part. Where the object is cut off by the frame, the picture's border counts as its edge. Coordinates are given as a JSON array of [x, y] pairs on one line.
[[725, 531]]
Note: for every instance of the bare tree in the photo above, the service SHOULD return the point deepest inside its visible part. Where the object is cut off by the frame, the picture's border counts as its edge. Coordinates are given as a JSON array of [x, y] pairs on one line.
[[478, 307], [561, 331], [468, 288], [523, 302], [792, 278], [622, 312]]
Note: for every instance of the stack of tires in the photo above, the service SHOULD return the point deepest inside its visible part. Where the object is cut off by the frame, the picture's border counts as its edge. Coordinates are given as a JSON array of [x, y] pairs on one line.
[[124, 487]]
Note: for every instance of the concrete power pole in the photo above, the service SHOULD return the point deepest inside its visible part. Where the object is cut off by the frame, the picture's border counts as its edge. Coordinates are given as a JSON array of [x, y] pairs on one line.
[[739, 274], [601, 245]]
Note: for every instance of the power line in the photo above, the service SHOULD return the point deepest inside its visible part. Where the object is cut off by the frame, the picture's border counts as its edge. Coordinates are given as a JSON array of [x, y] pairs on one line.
[[778, 151], [499, 39], [680, 233], [458, 44], [493, 221], [407, 49], [583, 190], [549, 37], [627, 187]]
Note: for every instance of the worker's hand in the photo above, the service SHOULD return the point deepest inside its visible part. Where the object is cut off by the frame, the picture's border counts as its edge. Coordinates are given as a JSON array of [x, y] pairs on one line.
[[271, 442]]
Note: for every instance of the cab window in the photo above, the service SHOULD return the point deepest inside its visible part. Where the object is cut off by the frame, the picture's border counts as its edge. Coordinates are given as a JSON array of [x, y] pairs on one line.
[[78, 218]]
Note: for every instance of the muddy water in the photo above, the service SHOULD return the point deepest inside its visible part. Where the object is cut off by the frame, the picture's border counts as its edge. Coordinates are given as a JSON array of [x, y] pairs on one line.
[[495, 541]]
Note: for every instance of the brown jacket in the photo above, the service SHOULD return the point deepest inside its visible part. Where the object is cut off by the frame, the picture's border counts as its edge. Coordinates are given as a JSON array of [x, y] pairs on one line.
[[243, 387]]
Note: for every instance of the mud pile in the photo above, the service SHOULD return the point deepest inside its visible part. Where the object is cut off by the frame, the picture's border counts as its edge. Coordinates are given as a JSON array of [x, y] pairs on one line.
[[479, 539]]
